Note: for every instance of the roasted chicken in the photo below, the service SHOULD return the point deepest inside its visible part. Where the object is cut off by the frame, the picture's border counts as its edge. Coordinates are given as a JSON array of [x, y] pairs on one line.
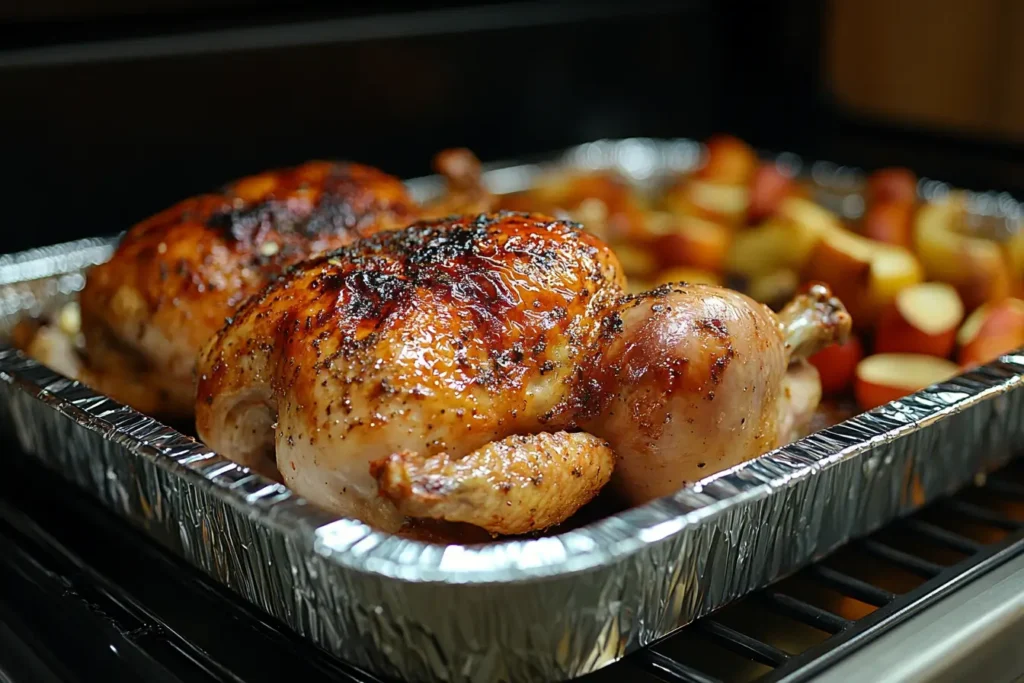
[[177, 276], [490, 370]]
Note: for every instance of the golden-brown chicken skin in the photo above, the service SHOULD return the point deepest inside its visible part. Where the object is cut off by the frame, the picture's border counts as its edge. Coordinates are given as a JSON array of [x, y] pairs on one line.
[[540, 480], [177, 276], [489, 370], [436, 339]]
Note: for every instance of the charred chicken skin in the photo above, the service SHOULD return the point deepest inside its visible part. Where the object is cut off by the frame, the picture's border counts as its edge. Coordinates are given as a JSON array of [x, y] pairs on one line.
[[489, 370], [177, 276]]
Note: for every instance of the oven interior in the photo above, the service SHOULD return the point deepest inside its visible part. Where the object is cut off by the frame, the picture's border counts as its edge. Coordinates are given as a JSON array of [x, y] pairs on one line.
[[112, 112]]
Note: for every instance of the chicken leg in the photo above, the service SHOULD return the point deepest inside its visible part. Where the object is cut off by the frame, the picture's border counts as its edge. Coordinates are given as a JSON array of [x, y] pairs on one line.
[[694, 379]]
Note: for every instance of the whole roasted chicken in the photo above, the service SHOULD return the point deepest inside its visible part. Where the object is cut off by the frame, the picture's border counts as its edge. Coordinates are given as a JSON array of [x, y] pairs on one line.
[[489, 370], [177, 276]]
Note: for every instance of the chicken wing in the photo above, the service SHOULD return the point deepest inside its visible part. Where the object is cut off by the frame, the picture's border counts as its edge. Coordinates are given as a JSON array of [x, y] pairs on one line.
[[543, 478], [466, 192]]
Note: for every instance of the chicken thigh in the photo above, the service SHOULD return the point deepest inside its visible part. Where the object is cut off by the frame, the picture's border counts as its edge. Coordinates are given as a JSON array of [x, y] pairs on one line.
[[489, 370]]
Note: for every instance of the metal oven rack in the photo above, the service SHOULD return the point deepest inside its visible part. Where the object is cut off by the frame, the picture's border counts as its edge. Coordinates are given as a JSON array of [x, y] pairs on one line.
[[83, 598], [932, 535]]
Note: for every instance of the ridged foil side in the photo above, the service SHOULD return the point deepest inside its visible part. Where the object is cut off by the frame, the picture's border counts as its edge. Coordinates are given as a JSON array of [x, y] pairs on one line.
[[540, 609]]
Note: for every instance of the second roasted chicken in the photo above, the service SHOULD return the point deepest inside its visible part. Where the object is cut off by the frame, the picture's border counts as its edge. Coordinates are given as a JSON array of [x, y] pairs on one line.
[[489, 370], [176, 276]]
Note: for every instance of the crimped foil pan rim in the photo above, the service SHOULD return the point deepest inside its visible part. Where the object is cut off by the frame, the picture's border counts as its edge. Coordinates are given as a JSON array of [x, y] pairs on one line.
[[681, 510], [621, 535]]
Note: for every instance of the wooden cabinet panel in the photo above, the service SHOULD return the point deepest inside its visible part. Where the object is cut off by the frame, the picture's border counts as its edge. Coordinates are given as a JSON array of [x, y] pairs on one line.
[[951, 64]]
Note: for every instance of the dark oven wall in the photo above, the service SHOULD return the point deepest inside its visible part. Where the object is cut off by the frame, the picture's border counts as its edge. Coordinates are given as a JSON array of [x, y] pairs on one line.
[[105, 130], [114, 110]]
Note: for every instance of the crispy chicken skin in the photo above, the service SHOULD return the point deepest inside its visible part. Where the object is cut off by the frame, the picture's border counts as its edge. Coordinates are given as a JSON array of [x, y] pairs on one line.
[[573, 467], [486, 369], [436, 339], [177, 276]]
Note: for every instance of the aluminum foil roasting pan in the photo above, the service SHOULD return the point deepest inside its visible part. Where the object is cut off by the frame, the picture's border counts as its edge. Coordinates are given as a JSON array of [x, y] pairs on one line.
[[523, 610]]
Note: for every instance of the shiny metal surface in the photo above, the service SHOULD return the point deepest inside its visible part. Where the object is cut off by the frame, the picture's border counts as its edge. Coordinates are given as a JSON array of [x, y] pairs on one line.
[[535, 609], [972, 635]]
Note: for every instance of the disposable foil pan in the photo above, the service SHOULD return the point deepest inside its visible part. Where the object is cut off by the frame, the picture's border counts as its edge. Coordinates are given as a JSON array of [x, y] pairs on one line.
[[521, 610]]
